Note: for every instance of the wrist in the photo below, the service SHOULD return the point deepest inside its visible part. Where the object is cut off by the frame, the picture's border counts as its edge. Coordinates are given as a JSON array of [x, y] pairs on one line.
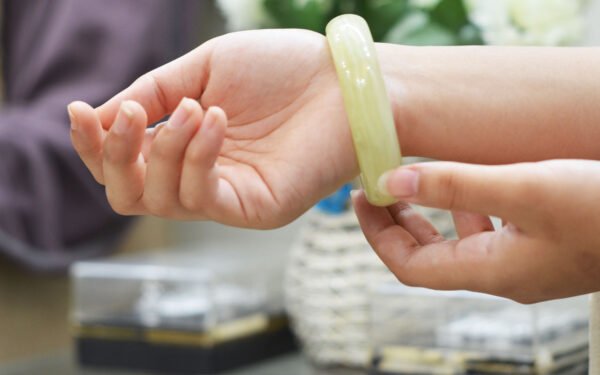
[[397, 76]]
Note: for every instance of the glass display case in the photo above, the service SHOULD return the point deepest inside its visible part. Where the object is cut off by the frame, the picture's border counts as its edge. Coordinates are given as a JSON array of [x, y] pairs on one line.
[[180, 311], [420, 331]]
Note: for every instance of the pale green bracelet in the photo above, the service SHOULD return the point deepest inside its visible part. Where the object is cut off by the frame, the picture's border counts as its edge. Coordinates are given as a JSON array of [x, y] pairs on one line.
[[366, 102]]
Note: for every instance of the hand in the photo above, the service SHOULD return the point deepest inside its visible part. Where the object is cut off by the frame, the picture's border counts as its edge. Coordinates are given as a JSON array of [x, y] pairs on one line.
[[274, 138], [548, 248]]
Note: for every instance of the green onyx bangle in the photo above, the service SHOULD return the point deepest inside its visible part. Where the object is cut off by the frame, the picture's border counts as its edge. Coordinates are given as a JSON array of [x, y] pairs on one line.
[[367, 103]]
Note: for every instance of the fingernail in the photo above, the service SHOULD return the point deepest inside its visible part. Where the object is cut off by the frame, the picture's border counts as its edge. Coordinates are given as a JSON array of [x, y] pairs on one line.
[[121, 125], [354, 194], [210, 119], [182, 113], [400, 183], [157, 128], [72, 117]]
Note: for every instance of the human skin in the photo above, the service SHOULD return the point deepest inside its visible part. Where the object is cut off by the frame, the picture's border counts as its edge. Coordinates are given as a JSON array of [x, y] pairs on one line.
[[548, 247], [266, 136]]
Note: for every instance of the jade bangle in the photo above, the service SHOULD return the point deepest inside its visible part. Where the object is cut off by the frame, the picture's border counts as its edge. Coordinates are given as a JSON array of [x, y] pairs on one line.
[[367, 103]]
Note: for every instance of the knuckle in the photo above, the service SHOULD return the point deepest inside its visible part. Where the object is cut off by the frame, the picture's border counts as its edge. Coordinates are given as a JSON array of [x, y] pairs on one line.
[[529, 189], [511, 289], [195, 156], [121, 210], [158, 206], [120, 207], [406, 280], [398, 262], [86, 150], [448, 190], [534, 188], [94, 166], [534, 198], [98, 177], [525, 299], [190, 202], [114, 153], [152, 81], [162, 148], [493, 286]]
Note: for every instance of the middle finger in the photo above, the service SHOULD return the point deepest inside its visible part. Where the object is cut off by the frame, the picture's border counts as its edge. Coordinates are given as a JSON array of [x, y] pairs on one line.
[[161, 192]]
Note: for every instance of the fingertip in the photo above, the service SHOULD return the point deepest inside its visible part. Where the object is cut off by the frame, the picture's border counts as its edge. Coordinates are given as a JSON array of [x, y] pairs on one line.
[[358, 197], [372, 219], [128, 108], [216, 109], [216, 116], [401, 183], [468, 223], [364, 211], [78, 111], [195, 109], [78, 105], [214, 125], [126, 135], [187, 111], [152, 132], [133, 110], [190, 104], [72, 111], [131, 120], [87, 136], [382, 182], [392, 243], [204, 147]]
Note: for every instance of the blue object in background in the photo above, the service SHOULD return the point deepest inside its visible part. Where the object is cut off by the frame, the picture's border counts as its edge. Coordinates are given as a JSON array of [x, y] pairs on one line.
[[336, 203]]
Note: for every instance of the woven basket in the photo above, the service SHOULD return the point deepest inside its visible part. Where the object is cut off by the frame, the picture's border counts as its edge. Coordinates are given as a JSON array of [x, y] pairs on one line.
[[327, 284], [330, 273]]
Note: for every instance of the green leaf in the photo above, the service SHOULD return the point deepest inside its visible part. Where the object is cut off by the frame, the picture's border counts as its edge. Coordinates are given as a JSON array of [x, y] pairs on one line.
[[470, 34], [307, 14], [350, 6], [451, 14], [382, 15], [389, 20]]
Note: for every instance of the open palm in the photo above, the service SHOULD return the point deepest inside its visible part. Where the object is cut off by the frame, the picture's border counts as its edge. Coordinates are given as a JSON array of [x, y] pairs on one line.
[[254, 158]]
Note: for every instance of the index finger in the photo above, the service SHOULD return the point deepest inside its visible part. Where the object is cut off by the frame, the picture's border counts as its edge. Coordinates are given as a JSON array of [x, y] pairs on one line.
[[160, 90], [477, 263], [87, 137]]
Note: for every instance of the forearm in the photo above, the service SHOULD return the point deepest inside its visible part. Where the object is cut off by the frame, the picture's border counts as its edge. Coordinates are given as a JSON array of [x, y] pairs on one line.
[[495, 105]]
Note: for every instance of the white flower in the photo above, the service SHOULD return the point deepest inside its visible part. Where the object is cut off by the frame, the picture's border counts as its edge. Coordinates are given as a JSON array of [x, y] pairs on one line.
[[244, 14], [528, 22]]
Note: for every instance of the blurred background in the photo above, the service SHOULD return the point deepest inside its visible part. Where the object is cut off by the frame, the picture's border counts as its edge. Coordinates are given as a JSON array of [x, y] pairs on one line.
[[83, 291]]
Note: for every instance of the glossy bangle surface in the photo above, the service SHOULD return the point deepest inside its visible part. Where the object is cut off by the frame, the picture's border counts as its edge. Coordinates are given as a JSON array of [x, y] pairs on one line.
[[366, 101]]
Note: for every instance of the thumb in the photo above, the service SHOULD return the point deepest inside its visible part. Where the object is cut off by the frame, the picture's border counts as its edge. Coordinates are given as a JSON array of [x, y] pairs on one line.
[[487, 190]]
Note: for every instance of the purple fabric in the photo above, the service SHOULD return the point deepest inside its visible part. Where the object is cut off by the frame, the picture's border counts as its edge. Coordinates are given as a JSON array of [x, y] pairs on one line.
[[54, 52]]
